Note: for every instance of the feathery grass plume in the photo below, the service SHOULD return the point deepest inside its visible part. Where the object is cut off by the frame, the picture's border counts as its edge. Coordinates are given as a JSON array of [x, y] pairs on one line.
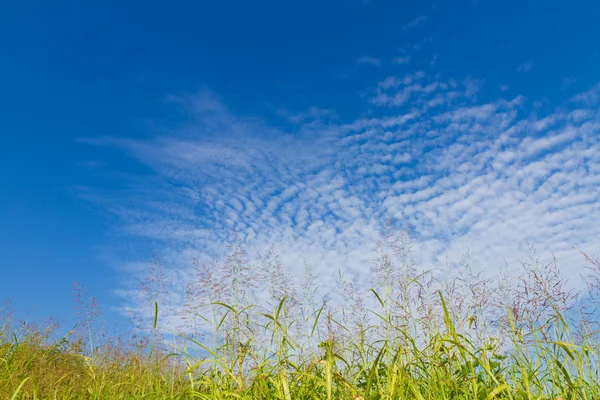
[[589, 310], [89, 317], [445, 333]]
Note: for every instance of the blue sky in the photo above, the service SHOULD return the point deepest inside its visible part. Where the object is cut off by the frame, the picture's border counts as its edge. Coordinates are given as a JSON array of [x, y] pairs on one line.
[[133, 128]]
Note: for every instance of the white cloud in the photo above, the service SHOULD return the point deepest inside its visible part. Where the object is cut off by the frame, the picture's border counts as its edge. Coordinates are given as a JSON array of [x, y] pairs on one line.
[[488, 176], [368, 60], [412, 87], [433, 61], [590, 97], [401, 60], [415, 22], [526, 66], [312, 114]]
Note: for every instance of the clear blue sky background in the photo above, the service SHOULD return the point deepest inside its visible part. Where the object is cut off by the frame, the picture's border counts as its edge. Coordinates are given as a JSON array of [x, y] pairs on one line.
[[81, 69]]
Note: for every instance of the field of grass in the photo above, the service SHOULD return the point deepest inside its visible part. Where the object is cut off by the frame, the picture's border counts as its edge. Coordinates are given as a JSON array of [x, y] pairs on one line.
[[410, 334]]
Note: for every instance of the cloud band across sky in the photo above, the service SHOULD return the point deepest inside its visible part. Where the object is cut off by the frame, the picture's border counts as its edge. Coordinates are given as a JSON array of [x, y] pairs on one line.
[[458, 172]]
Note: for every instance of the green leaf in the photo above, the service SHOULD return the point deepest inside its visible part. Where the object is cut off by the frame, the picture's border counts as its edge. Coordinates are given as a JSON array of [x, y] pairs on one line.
[[496, 391], [155, 314], [14, 396]]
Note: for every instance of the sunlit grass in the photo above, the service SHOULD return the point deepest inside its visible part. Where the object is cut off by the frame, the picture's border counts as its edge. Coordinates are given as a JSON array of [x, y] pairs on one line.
[[447, 366], [389, 345]]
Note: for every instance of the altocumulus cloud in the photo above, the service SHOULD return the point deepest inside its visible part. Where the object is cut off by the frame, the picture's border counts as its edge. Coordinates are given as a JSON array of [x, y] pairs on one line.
[[460, 173]]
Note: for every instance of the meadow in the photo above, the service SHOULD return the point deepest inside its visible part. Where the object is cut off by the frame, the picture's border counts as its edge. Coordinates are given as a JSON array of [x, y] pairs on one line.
[[407, 333]]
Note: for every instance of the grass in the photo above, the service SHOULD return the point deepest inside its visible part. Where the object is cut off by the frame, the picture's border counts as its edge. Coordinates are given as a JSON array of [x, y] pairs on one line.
[[411, 335]]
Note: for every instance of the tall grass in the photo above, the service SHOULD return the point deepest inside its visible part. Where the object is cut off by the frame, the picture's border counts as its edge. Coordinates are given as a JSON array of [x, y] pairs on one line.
[[409, 333]]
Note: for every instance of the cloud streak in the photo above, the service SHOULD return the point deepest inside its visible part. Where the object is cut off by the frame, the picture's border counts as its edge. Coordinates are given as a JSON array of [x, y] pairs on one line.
[[415, 22], [368, 60], [401, 60], [526, 66]]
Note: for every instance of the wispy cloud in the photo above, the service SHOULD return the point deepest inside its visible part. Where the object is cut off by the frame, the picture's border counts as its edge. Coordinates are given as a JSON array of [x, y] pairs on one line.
[[394, 91], [526, 66], [368, 60], [461, 173], [311, 115], [401, 60], [421, 43], [415, 22], [590, 97], [434, 60], [568, 81]]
